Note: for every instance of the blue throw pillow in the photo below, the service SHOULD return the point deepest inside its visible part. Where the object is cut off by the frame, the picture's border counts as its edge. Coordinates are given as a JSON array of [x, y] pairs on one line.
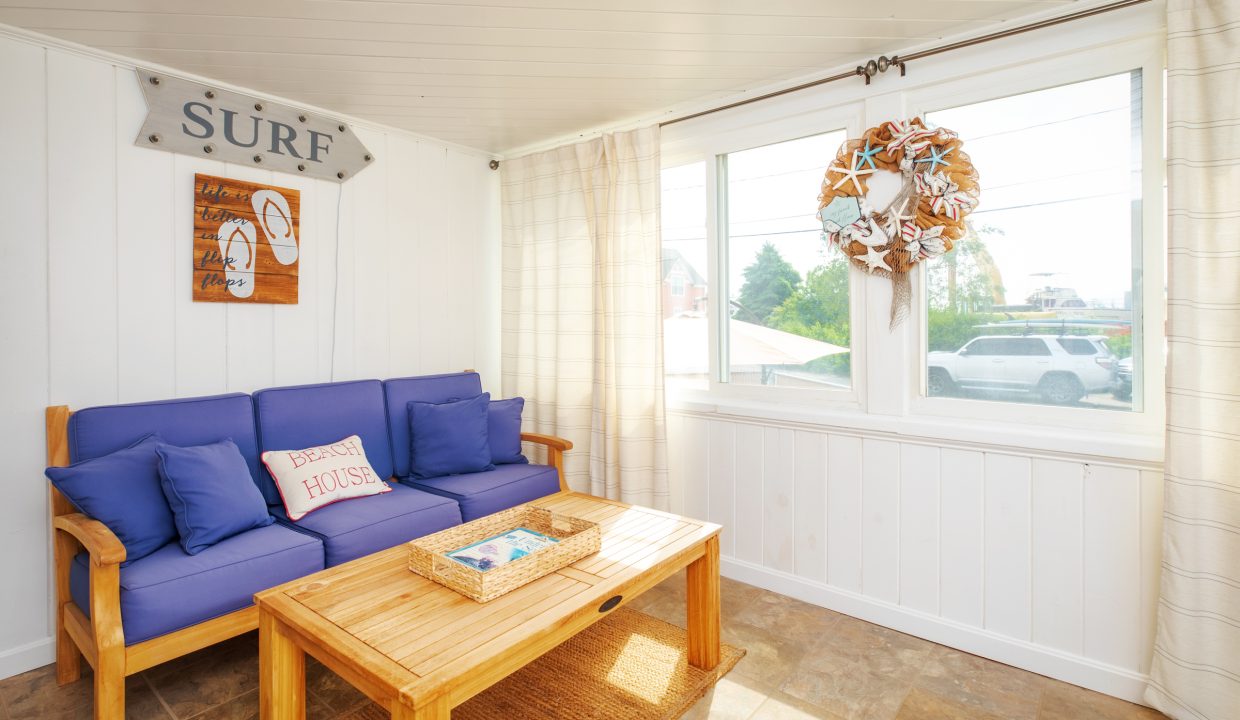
[[121, 490], [504, 431], [211, 493], [449, 438]]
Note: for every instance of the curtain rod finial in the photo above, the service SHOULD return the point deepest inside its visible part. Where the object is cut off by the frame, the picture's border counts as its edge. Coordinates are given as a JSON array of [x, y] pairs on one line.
[[494, 164]]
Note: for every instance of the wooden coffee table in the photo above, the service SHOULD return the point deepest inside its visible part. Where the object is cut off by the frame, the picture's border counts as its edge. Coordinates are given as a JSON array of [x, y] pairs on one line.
[[420, 649]]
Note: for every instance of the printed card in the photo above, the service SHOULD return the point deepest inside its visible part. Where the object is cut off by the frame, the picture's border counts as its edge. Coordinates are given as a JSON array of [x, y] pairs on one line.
[[501, 549], [840, 213]]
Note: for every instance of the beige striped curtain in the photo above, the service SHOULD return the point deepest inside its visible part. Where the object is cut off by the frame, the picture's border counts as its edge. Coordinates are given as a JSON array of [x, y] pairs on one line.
[[1196, 668], [582, 320]]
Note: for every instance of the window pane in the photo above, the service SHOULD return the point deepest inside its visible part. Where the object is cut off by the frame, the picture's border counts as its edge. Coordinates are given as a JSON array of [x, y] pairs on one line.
[[683, 219], [1049, 253], [788, 299]]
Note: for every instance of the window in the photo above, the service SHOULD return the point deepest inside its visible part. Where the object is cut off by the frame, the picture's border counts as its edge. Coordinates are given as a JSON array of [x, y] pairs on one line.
[[1043, 283], [787, 298], [683, 220]]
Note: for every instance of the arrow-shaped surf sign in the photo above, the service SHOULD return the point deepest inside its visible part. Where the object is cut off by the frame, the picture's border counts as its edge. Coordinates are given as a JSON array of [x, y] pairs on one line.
[[195, 119]]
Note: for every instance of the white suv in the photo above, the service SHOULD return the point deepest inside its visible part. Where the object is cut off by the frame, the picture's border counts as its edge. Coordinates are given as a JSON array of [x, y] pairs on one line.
[[1061, 368]]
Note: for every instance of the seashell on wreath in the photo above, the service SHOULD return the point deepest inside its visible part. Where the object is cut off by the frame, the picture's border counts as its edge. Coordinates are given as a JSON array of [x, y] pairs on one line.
[[939, 188]]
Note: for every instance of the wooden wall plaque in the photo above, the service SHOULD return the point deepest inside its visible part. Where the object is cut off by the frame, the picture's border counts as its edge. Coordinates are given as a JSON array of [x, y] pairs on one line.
[[247, 243]]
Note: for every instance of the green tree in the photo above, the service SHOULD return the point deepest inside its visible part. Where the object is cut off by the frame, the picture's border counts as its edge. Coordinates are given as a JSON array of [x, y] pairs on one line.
[[769, 281], [966, 280], [949, 330], [818, 309], [962, 288]]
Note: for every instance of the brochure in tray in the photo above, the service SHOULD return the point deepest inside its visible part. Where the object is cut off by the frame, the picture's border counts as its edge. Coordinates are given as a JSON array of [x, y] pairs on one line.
[[501, 549]]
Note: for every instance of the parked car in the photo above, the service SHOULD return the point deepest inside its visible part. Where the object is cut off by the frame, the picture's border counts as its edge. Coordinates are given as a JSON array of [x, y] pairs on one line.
[[1123, 380], [1060, 368]]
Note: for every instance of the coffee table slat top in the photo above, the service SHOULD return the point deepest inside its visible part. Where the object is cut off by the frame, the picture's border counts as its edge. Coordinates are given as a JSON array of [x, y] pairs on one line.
[[416, 637]]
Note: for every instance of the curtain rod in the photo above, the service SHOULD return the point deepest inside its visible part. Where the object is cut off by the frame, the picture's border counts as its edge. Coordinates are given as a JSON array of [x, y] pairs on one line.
[[901, 59]]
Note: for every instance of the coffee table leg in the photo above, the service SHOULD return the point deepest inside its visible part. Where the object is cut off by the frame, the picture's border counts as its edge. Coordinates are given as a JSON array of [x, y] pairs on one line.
[[281, 672], [436, 708], [703, 608]]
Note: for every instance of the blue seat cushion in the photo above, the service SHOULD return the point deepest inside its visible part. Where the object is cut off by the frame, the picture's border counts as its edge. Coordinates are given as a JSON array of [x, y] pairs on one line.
[[488, 492], [429, 389], [97, 431], [169, 590], [360, 526], [292, 418]]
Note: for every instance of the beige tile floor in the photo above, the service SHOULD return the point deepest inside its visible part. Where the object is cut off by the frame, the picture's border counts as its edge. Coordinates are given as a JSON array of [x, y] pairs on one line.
[[803, 662]]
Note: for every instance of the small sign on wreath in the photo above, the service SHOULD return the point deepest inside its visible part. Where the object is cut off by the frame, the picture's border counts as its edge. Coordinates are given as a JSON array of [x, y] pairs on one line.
[[939, 189]]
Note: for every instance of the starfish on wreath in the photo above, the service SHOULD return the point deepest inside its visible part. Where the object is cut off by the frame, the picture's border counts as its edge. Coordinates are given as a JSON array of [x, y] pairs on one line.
[[936, 158], [866, 156], [850, 173], [873, 259], [897, 218]]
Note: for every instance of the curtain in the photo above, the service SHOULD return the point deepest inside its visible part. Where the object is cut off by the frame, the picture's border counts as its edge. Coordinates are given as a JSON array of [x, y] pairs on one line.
[[1196, 664], [582, 309]]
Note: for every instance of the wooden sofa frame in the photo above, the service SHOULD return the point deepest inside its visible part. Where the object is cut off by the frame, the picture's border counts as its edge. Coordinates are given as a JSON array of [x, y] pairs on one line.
[[101, 637]]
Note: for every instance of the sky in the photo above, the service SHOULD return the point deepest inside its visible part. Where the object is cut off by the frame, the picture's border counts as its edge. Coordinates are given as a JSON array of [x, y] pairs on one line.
[[1059, 171]]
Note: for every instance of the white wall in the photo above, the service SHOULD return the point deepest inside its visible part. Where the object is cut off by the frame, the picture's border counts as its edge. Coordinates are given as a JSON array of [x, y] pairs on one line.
[[1042, 560], [95, 301]]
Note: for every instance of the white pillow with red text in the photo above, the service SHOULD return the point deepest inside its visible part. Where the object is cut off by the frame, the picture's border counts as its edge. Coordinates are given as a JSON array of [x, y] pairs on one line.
[[314, 477]]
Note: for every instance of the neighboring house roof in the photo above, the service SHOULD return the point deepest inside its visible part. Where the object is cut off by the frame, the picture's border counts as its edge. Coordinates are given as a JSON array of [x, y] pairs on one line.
[[672, 258]]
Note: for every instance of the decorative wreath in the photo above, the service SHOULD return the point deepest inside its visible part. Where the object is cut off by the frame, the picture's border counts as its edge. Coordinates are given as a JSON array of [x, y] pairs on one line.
[[923, 221]]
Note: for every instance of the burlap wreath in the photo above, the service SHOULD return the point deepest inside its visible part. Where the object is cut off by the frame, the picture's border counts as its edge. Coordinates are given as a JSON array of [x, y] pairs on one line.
[[926, 217]]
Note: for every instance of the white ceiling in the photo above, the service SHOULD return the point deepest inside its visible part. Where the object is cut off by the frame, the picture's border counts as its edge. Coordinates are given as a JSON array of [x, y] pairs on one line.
[[503, 74]]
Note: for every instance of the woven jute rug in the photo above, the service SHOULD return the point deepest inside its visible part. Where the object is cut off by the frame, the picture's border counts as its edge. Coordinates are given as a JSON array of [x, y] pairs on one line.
[[627, 666]]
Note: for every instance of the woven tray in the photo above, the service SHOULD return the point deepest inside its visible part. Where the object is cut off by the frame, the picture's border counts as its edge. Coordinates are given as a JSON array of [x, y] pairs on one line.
[[577, 539]]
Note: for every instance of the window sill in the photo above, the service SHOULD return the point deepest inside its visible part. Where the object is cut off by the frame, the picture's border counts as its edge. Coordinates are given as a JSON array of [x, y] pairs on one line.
[[1088, 445]]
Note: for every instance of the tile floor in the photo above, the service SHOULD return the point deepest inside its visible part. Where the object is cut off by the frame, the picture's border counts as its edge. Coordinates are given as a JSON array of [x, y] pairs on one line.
[[803, 662]]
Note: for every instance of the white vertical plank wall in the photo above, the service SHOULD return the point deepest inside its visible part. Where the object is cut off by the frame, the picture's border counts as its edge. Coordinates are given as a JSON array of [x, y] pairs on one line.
[[1045, 563], [24, 366], [97, 309]]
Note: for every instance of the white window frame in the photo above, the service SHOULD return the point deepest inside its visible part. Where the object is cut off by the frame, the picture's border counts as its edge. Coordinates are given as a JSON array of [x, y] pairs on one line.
[[897, 405], [678, 284], [754, 131], [1147, 385]]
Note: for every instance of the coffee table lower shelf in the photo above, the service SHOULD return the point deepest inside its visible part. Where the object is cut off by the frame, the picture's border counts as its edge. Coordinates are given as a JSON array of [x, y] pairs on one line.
[[420, 649]]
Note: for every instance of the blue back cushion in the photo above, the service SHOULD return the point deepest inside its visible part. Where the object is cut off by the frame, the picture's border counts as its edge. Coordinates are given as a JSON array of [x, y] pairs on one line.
[[292, 418], [450, 438], [122, 490], [209, 494], [428, 389], [97, 431], [504, 431]]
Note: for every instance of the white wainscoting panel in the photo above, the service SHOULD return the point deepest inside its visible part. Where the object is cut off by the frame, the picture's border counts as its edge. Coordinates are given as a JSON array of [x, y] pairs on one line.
[[962, 536], [1048, 563], [97, 308]]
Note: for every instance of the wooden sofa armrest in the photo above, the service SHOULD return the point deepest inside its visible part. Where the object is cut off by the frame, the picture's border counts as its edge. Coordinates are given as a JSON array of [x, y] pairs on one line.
[[101, 637], [94, 537], [550, 441], [556, 447]]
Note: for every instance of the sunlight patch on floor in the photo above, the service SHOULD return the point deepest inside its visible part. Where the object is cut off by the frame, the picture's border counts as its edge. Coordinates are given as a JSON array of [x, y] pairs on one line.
[[644, 668]]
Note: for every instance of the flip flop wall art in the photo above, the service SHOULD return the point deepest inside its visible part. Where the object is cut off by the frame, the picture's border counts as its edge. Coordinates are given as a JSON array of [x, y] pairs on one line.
[[246, 241]]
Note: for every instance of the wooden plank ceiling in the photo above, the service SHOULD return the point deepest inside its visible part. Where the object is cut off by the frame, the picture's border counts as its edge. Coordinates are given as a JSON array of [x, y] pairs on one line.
[[503, 74]]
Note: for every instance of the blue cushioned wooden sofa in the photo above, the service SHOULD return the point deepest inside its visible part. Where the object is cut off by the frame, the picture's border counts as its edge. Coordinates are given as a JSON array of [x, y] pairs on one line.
[[124, 618]]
